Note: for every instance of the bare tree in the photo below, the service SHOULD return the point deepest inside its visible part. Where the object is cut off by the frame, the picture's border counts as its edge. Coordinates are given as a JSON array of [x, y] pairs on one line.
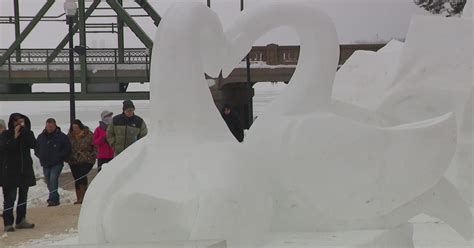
[[446, 7]]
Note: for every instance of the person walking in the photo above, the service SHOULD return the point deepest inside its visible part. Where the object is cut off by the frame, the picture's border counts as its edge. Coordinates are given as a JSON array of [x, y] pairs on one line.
[[105, 153], [52, 150], [82, 158], [233, 122], [126, 128], [18, 174], [3, 128]]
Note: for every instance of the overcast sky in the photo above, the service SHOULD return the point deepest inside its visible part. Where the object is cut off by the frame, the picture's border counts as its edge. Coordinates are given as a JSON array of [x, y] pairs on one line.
[[357, 21]]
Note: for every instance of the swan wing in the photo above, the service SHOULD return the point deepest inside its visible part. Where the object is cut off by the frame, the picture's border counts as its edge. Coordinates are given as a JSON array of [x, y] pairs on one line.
[[350, 170]]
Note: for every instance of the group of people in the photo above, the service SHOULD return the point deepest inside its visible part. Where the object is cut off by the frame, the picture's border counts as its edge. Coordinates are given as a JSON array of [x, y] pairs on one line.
[[80, 148]]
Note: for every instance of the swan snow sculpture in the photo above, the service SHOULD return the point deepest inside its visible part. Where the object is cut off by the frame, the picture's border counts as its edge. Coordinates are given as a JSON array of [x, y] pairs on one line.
[[307, 119], [190, 180]]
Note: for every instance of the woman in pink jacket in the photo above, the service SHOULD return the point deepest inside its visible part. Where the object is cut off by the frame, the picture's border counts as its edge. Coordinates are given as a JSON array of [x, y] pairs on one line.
[[105, 152]]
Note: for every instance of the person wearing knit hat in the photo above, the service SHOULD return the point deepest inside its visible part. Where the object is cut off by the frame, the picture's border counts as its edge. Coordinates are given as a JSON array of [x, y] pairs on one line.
[[126, 128], [105, 153], [127, 105]]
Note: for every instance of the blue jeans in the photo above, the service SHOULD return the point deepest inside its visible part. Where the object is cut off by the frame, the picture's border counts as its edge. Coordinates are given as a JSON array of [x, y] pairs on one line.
[[51, 175], [9, 197]]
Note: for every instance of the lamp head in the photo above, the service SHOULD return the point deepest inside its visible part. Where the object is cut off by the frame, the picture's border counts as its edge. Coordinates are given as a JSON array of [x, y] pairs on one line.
[[70, 8]]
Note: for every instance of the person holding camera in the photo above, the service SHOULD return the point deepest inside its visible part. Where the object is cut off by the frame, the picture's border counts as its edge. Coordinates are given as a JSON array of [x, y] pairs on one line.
[[18, 174]]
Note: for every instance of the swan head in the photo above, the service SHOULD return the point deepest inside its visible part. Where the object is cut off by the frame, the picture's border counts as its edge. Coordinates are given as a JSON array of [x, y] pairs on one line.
[[213, 43]]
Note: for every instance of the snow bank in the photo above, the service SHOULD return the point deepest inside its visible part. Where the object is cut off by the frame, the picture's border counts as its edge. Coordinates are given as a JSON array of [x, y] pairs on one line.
[[68, 238]]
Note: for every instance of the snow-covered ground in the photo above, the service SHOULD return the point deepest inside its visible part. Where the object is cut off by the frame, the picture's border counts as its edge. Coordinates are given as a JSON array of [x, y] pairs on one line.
[[68, 238], [428, 233]]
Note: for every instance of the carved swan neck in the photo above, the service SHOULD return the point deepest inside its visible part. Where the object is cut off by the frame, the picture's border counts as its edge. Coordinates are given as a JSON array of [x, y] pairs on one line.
[[311, 86], [189, 42]]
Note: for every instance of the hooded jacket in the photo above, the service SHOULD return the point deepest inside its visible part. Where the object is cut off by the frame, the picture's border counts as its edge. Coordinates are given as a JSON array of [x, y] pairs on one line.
[[17, 169], [104, 150], [2, 156]]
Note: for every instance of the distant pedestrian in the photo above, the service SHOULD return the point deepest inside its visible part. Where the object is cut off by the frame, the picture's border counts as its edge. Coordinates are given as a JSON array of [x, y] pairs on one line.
[[82, 158], [233, 122], [105, 153], [52, 150], [3, 128], [126, 128], [18, 174]]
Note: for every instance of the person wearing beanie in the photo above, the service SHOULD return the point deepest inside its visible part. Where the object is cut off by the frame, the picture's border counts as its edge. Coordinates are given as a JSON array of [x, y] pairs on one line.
[[105, 153], [126, 128]]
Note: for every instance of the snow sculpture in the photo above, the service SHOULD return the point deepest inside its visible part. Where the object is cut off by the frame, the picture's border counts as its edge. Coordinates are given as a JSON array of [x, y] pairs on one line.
[[429, 75], [307, 165], [467, 12]]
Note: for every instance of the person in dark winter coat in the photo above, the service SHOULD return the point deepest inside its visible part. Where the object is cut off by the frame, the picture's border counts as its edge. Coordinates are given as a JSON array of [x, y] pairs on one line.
[[233, 122], [18, 173], [82, 158], [105, 152], [52, 150], [3, 128], [126, 128]]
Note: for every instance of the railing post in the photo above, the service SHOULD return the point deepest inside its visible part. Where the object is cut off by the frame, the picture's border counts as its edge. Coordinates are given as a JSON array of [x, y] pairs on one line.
[[115, 65], [47, 64], [147, 67]]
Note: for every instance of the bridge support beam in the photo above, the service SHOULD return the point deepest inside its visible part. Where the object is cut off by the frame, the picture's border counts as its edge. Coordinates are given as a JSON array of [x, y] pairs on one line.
[[240, 97], [16, 44], [136, 29], [150, 11]]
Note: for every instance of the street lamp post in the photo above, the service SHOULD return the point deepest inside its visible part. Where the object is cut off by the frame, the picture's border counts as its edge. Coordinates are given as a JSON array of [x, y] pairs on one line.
[[70, 8], [248, 57], [249, 78]]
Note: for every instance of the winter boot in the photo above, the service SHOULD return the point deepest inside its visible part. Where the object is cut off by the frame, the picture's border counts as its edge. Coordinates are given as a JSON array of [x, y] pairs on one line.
[[24, 225], [80, 192], [9, 229]]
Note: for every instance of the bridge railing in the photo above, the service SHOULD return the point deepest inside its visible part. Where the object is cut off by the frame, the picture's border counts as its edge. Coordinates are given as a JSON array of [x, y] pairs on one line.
[[113, 61], [133, 64], [93, 56]]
